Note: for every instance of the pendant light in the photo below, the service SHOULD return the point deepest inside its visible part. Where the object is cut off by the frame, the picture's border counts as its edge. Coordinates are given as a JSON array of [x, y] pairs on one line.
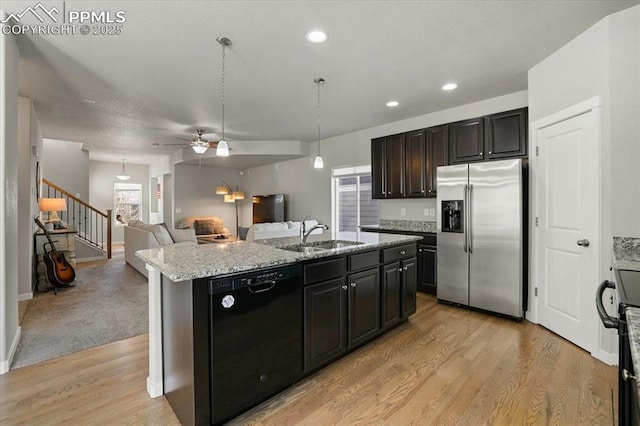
[[123, 175], [222, 150], [317, 162]]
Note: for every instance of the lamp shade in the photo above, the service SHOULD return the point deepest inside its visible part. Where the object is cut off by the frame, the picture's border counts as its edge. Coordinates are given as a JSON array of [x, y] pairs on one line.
[[228, 198], [238, 195], [221, 190], [53, 204], [222, 150], [318, 163]]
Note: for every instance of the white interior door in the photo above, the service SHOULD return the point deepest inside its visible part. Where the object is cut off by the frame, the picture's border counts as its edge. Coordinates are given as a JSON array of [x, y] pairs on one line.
[[568, 197]]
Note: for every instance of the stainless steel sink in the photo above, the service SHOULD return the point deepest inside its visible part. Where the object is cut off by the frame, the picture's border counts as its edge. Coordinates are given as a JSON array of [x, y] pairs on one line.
[[333, 244], [318, 246]]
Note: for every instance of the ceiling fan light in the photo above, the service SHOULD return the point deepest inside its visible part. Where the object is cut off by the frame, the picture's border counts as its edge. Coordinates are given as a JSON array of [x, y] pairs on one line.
[[199, 149], [318, 163], [222, 150], [221, 190]]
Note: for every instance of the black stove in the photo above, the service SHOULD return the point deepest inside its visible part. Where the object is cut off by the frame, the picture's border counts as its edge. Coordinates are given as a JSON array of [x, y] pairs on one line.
[[627, 288]]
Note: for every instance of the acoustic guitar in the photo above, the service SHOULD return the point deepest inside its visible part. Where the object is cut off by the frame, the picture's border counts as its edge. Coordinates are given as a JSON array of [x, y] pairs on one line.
[[60, 273]]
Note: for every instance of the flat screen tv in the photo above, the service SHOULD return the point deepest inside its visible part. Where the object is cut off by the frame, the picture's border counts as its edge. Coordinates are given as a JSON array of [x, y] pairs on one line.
[[268, 208]]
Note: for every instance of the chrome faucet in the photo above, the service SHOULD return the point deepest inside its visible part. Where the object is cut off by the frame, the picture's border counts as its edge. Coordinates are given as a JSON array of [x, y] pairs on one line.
[[303, 228], [306, 234]]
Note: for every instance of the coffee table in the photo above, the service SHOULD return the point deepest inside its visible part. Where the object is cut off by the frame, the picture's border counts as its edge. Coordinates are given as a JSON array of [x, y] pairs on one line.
[[211, 240]]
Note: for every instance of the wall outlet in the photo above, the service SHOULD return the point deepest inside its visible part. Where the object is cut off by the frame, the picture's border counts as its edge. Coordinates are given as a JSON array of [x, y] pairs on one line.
[[426, 212], [403, 211], [178, 210], [432, 212]]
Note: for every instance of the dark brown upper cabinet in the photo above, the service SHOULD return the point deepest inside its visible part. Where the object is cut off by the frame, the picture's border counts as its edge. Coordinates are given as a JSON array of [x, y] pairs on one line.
[[466, 141], [506, 134], [387, 166], [436, 155], [415, 164]]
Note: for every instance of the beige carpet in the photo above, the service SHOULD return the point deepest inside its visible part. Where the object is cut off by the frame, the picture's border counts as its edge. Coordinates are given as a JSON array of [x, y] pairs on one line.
[[108, 303]]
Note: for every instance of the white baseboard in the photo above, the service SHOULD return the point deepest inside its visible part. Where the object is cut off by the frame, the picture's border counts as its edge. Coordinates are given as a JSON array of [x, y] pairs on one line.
[[154, 389], [25, 296], [606, 357], [6, 364]]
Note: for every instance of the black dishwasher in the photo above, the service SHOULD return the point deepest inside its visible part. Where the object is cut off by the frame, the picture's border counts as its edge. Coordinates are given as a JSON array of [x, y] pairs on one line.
[[256, 337]]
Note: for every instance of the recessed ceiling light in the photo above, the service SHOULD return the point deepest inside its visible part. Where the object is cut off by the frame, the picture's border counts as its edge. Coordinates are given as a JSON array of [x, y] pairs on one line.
[[317, 37], [449, 86], [393, 104], [89, 101]]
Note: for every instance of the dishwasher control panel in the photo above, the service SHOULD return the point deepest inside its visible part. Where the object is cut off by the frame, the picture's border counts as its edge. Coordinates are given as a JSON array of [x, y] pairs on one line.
[[221, 285]]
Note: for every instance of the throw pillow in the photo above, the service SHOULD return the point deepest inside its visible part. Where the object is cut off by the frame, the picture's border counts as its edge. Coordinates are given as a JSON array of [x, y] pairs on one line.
[[168, 231], [162, 235], [204, 227], [218, 227]]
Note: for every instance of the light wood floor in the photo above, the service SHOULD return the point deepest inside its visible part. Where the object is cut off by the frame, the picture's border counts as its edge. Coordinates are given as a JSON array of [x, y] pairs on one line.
[[446, 366]]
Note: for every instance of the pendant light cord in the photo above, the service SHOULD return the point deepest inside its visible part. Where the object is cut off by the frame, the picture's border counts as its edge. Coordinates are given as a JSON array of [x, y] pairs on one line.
[[318, 81], [223, 75]]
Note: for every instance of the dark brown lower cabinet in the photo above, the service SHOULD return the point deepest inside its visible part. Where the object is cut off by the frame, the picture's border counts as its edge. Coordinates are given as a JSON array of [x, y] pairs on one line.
[[409, 286], [391, 294], [364, 306], [427, 261], [325, 321]]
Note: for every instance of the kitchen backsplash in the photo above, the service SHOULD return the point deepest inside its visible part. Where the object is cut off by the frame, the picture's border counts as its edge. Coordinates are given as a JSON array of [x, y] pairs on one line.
[[408, 225]]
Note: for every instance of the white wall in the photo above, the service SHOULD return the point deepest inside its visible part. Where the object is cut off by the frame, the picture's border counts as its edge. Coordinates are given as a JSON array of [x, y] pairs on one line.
[[195, 193], [29, 135], [309, 190], [66, 164], [102, 177], [9, 329]]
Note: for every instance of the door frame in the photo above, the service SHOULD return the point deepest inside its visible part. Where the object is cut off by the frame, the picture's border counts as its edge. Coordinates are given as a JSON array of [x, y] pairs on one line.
[[592, 104]]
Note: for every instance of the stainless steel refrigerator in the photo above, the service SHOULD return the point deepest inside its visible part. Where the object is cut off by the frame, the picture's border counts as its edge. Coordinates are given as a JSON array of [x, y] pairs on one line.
[[481, 236]]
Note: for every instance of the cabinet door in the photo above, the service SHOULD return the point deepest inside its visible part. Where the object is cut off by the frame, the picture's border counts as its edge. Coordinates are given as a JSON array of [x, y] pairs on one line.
[[409, 281], [436, 151], [325, 319], [394, 182], [466, 141], [415, 164], [378, 168], [506, 134], [364, 306], [391, 294], [427, 261]]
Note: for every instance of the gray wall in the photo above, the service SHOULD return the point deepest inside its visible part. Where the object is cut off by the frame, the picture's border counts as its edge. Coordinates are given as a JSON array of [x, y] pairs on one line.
[[29, 135], [66, 164], [9, 331], [195, 193], [102, 177], [308, 190]]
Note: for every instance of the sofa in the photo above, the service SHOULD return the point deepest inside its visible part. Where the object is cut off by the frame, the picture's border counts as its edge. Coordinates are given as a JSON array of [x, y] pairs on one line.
[[261, 231], [141, 236], [209, 226]]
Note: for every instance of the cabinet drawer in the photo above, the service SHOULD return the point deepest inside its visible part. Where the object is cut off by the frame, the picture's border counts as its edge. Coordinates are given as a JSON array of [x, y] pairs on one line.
[[324, 270], [399, 252], [363, 260]]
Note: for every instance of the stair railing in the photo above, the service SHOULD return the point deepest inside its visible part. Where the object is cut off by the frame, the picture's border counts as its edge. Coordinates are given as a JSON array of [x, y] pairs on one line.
[[93, 225]]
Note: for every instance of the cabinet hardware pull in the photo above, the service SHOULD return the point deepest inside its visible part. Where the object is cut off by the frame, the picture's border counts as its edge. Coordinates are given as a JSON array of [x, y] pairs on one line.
[[626, 375], [399, 269], [406, 268], [489, 152], [403, 252], [353, 284], [481, 153], [344, 287]]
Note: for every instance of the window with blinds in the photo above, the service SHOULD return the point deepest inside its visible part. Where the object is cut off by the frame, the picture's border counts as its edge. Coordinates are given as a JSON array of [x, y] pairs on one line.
[[353, 206]]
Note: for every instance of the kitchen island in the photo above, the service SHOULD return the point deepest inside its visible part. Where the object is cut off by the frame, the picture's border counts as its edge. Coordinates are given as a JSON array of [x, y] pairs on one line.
[[346, 296]]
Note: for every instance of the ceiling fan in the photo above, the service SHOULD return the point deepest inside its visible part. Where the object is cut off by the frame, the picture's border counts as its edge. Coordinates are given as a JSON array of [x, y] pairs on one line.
[[198, 144]]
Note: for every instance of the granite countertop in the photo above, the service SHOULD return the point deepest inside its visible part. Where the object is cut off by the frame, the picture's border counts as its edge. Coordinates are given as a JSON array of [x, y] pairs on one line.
[[187, 261], [633, 328], [422, 226], [626, 253]]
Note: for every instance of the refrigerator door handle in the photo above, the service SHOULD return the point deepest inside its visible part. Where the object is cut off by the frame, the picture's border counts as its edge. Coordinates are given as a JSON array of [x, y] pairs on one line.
[[469, 217], [464, 220]]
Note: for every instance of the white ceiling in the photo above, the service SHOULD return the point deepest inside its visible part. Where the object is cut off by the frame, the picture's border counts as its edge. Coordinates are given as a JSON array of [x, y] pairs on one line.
[[160, 79]]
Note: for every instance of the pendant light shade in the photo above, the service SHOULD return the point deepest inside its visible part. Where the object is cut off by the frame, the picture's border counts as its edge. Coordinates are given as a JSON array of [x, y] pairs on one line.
[[222, 150], [318, 163], [123, 175]]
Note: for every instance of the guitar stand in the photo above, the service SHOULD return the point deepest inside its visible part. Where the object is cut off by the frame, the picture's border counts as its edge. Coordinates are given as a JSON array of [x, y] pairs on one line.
[[55, 288]]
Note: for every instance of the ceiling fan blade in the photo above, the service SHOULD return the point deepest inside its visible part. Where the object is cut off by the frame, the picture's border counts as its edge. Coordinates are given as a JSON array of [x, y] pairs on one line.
[[175, 144], [183, 139]]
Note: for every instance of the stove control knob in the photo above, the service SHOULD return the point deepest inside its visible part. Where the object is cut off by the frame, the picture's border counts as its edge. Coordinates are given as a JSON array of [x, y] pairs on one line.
[[626, 375]]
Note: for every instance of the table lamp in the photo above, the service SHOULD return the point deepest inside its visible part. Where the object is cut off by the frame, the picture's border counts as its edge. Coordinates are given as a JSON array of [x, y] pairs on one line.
[[53, 205]]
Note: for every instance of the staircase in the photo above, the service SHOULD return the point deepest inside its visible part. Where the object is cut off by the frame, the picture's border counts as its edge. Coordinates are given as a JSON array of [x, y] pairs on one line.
[[93, 225]]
